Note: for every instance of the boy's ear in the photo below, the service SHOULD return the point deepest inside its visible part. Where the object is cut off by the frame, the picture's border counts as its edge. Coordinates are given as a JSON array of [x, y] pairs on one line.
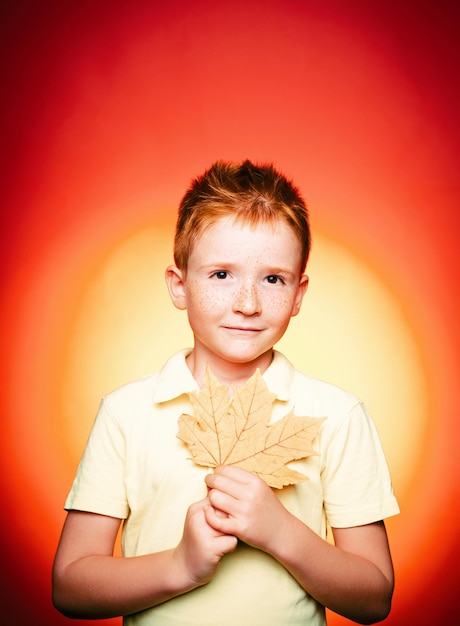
[[301, 290], [175, 282]]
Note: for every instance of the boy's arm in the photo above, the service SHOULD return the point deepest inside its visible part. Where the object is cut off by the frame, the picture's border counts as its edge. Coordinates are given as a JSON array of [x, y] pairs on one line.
[[354, 577], [89, 582]]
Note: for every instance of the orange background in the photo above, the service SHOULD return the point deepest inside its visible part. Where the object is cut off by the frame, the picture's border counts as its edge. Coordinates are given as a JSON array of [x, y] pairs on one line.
[[108, 110]]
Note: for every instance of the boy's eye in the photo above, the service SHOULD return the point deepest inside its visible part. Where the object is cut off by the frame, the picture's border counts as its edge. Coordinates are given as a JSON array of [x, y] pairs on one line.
[[221, 274], [273, 279]]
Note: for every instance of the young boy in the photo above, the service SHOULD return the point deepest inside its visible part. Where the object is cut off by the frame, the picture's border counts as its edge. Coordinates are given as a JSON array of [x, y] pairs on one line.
[[222, 548]]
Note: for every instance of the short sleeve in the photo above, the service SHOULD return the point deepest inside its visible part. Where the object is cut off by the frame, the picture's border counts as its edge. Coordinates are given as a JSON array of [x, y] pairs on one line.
[[99, 485], [356, 481]]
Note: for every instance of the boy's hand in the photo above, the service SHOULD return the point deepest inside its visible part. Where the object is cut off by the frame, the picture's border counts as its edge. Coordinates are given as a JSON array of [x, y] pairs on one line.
[[202, 546], [245, 506]]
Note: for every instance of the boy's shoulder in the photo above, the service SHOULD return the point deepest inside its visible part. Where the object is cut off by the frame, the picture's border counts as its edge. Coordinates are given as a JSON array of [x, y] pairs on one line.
[[171, 381], [309, 395]]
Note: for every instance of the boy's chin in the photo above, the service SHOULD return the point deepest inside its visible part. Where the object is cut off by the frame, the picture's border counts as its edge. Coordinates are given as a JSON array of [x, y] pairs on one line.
[[245, 358]]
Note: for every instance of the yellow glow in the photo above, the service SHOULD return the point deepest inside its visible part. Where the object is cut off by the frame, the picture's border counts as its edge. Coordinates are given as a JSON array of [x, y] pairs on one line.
[[351, 332]]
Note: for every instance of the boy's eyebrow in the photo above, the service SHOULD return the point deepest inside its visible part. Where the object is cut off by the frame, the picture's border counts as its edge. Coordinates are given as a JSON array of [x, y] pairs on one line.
[[282, 272], [214, 264], [268, 270]]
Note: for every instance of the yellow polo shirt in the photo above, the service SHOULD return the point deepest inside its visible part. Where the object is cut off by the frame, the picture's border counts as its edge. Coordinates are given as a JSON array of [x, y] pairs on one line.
[[135, 468]]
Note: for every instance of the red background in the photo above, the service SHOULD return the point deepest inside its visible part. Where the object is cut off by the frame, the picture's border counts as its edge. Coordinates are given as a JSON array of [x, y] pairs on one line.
[[109, 108]]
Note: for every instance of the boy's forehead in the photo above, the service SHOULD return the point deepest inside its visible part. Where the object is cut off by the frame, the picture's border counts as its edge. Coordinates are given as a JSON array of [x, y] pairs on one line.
[[230, 237], [223, 230], [229, 223]]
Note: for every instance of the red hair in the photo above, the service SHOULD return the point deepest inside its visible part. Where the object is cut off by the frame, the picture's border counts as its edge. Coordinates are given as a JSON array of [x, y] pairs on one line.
[[248, 192]]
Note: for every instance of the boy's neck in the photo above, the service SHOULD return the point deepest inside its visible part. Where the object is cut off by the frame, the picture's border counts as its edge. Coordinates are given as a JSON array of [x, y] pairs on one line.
[[226, 372]]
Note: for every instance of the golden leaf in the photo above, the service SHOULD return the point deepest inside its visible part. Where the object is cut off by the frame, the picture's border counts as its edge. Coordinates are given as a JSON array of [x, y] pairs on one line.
[[226, 430]]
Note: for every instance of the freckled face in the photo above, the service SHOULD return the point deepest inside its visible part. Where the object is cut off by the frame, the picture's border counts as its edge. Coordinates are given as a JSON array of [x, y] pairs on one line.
[[242, 287]]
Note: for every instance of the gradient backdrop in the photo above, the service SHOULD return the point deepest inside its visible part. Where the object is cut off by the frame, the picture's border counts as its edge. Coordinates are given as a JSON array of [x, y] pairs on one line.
[[108, 110]]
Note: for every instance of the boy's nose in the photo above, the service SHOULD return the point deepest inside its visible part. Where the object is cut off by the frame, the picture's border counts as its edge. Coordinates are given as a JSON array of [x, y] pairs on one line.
[[247, 300]]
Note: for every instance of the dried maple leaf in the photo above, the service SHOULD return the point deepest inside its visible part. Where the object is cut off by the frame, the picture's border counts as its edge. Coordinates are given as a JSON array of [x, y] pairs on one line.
[[227, 430]]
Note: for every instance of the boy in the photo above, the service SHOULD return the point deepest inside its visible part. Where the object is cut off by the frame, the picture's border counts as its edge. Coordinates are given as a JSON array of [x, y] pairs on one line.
[[222, 548]]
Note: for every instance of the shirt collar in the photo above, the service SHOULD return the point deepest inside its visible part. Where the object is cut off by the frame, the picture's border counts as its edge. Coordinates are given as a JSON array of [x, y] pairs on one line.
[[176, 379], [279, 376]]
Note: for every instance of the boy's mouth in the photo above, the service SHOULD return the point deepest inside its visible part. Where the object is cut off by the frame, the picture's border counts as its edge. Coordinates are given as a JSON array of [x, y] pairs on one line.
[[242, 329]]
